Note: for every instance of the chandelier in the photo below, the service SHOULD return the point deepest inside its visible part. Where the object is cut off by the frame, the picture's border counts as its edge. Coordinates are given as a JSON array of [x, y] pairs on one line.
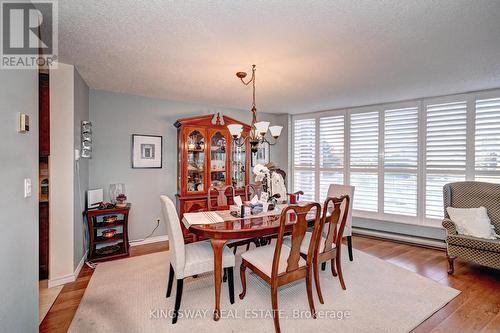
[[259, 129]]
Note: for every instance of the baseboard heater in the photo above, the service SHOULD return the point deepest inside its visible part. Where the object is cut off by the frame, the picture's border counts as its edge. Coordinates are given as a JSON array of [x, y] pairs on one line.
[[422, 241]]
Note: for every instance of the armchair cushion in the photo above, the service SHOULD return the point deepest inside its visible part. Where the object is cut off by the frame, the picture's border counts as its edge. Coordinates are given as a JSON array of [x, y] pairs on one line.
[[492, 245], [472, 222]]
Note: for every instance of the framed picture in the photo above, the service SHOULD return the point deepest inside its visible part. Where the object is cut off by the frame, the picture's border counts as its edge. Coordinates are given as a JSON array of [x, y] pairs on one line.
[[147, 151], [262, 156]]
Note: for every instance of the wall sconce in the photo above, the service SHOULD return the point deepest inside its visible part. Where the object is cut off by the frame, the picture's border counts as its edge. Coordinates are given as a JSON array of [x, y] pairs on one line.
[[86, 139]]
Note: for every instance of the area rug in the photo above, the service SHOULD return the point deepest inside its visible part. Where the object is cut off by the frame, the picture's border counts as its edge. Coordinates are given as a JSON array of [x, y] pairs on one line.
[[129, 296]]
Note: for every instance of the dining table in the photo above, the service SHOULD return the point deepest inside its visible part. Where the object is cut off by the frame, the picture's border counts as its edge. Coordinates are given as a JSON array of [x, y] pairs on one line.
[[223, 227]]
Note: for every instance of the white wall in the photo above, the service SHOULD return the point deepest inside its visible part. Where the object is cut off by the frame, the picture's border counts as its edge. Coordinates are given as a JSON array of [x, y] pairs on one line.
[[18, 215], [116, 117], [61, 162]]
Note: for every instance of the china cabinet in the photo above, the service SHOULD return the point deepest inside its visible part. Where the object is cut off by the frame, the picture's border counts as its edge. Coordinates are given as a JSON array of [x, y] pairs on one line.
[[207, 157]]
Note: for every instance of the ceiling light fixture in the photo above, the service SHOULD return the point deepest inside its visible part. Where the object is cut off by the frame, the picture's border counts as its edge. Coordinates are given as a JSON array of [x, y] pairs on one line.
[[259, 129]]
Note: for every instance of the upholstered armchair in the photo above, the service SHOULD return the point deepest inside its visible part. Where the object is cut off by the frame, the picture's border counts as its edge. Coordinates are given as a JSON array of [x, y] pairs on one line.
[[472, 194]]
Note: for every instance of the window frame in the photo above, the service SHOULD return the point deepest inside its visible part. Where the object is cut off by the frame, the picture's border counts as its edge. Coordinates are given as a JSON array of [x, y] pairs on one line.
[[421, 172]]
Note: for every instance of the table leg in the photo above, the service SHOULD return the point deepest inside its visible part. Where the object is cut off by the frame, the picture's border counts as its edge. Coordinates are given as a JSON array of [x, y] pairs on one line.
[[218, 247]]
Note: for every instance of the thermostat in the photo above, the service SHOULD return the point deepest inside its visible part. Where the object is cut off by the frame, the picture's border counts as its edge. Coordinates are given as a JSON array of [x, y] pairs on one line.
[[24, 123]]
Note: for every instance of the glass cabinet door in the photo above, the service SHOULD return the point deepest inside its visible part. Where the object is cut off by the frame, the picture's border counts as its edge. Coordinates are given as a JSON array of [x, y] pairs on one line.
[[195, 162], [218, 160], [238, 164]]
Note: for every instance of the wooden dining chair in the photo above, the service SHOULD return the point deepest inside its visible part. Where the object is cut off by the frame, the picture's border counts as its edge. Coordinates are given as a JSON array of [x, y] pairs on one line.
[[280, 265], [190, 259], [225, 195], [329, 240], [251, 190]]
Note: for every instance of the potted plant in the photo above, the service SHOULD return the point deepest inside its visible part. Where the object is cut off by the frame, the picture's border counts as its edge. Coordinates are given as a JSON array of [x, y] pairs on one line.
[[121, 200]]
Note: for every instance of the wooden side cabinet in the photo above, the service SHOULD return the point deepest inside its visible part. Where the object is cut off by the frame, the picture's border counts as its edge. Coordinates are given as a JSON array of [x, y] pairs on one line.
[[108, 233]]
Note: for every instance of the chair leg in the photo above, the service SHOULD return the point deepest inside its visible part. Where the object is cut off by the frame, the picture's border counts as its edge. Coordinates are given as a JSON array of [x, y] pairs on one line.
[[316, 280], [243, 280], [178, 297], [234, 249], [248, 246], [274, 302], [451, 266], [170, 280], [332, 265], [349, 247], [224, 277], [230, 284], [323, 266], [309, 291], [338, 263]]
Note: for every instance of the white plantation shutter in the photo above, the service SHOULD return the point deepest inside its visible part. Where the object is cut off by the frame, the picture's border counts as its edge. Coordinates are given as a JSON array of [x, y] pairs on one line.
[[304, 181], [400, 161], [304, 140], [327, 178], [364, 154], [487, 140], [304, 157], [331, 143], [364, 140], [331, 148], [446, 149], [399, 157]]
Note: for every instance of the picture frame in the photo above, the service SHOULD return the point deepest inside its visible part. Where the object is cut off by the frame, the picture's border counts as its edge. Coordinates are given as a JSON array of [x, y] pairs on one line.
[[262, 156], [147, 151]]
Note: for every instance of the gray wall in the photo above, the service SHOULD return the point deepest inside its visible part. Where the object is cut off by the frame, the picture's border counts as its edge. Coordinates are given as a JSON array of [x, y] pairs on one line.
[[116, 117], [19, 216], [81, 176]]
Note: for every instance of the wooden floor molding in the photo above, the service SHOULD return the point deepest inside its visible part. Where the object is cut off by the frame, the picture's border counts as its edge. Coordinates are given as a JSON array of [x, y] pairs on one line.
[[476, 309]]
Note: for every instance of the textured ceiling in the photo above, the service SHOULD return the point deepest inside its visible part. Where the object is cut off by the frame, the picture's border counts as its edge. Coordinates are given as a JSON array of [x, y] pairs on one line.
[[310, 55]]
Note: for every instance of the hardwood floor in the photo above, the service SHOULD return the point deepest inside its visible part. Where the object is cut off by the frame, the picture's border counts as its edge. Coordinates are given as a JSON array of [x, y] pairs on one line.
[[476, 309]]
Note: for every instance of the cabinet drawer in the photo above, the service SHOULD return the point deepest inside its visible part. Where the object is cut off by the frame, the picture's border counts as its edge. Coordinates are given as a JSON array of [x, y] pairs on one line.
[[195, 206]]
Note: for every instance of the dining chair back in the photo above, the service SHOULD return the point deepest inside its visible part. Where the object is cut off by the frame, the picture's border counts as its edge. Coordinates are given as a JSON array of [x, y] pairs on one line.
[[338, 190], [298, 215], [224, 193], [174, 232], [251, 190], [285, 264], [333, 222]]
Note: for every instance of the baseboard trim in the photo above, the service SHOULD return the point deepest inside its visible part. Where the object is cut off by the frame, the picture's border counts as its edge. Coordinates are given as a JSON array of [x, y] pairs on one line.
[[426, 242], [80, 264], [70, 277], [150, 240], [61, 280]]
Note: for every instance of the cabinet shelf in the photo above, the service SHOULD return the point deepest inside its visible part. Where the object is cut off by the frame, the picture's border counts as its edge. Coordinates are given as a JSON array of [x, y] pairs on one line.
[[95, 228]]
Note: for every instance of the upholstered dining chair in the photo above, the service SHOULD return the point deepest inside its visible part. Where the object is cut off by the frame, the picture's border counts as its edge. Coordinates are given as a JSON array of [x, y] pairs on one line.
[[338, 190], [280, 265], [189, 259]]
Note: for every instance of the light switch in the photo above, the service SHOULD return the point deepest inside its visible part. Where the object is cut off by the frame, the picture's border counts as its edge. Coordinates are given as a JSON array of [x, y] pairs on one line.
[[27, 187]]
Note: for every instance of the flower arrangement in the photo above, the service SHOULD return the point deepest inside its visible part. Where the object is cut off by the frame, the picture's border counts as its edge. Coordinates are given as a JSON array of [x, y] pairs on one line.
[[121, 200]]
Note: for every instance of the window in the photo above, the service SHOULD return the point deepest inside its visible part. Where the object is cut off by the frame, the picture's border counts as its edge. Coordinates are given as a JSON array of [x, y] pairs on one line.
[[399, 156], [487, 140], [446, 147], [363, 163], [400, 161], [304, 158], [331, 153]]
